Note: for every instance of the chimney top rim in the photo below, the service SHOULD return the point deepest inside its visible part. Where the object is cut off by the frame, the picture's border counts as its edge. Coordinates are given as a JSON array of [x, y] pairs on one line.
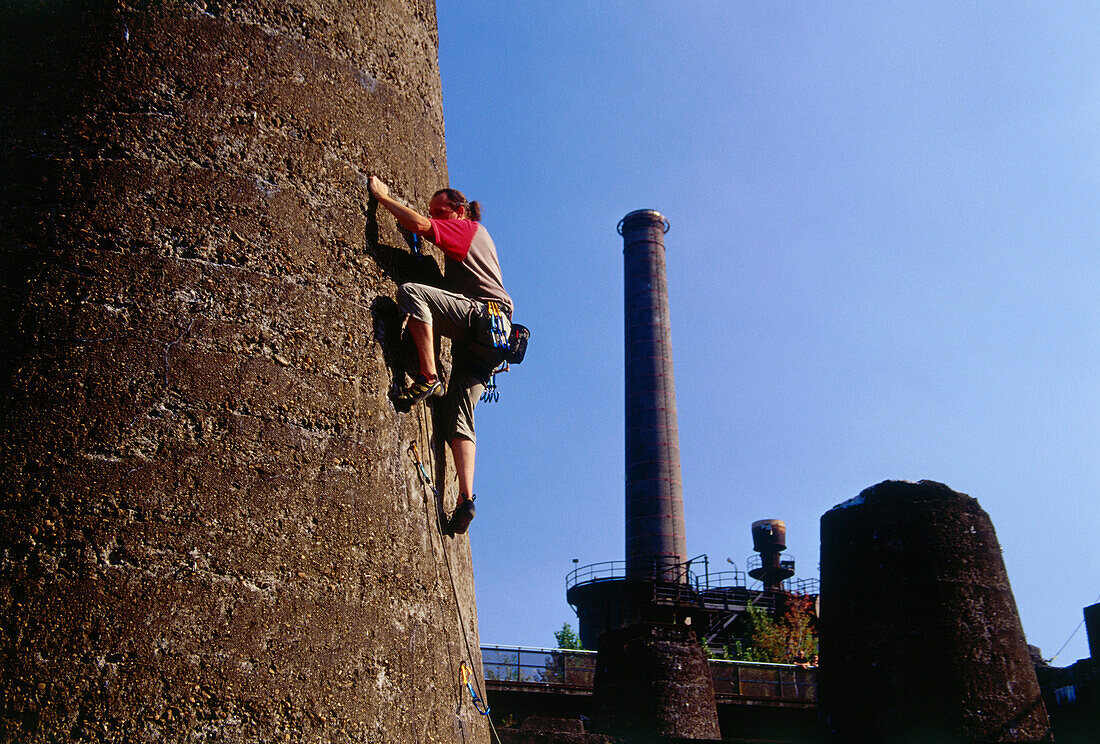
[[651, 213]]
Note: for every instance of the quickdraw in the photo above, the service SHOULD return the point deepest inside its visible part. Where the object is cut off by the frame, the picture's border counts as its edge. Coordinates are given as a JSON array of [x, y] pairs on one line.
[[500, 341], [479, 704], [496, 325], [491, 393], [420, 467]]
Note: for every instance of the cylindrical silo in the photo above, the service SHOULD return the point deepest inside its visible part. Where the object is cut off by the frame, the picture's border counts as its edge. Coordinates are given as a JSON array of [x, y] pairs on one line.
[[655, 543], [653, 679], [209, 525], [920, 639]]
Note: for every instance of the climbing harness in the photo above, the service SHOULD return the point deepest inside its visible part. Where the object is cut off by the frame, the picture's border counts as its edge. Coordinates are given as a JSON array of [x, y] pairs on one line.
[[513, 344], [478, 702]]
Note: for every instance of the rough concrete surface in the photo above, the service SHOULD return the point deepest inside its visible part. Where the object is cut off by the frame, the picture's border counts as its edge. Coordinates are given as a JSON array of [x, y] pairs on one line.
[[516, 736], [653, 680], [920, 637], [211, 527], [513, 736]]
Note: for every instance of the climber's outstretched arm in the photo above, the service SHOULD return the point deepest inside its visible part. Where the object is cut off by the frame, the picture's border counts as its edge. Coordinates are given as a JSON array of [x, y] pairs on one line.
[[408, 217]]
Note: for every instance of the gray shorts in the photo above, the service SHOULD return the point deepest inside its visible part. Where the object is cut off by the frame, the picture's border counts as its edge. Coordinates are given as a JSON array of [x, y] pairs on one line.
[[462, 320]]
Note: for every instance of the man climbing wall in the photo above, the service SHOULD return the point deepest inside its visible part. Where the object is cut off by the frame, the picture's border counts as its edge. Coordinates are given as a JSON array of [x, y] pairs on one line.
[[472, 309]]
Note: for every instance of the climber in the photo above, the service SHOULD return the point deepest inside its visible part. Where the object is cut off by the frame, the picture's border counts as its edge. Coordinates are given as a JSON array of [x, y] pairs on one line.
[[459, 310]]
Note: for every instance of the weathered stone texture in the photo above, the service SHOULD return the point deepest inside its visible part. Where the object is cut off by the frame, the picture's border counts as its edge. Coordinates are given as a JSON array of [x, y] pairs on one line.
[[653, 680], [920, 637], [517, 736], [210, 526]]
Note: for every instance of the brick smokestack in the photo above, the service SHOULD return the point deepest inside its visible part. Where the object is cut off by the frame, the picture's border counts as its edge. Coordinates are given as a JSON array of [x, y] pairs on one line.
[[654, 494]]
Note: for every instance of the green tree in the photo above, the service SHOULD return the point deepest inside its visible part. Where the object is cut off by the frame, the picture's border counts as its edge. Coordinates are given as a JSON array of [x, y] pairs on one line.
[[566, 638], [563, 667], [785, 640]]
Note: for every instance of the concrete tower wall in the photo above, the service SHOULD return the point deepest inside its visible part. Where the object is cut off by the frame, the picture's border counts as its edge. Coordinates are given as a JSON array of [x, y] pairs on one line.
[[1092, 628], [210, 528], [654, 494], [653, 680], [920, 638]]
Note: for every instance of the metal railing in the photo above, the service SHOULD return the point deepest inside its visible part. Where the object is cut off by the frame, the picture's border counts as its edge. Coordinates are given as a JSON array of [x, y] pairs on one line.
[[547, 670], [757, 680], [756, 561], [694, 573], [723, 579], [593, 572], [806, 586], [544, 667], [683, 572]]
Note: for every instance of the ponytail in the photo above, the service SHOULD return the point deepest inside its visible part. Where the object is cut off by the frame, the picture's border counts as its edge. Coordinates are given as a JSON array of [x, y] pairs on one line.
[[455, 199]]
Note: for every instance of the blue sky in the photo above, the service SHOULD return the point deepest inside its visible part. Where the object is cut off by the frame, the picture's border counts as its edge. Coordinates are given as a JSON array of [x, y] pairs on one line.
[[882, 265]]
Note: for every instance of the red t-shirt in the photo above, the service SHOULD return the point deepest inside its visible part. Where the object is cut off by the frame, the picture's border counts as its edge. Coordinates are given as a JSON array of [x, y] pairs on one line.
[[453, 236], [472, 268]]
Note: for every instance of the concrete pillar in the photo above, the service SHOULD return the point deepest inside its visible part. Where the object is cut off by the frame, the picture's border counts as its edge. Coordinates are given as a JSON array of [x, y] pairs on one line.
[[655, 540], [210, 527], [919, 635], [654, 680], [1092, 629]]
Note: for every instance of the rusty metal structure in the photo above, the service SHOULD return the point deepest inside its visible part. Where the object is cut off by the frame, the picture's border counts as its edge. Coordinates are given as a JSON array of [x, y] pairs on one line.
[[769, 539], [653, 679]]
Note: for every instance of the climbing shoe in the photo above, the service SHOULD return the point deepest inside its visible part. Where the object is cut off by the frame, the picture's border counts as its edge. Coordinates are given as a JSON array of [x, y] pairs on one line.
[[463, 515], [420, 389]]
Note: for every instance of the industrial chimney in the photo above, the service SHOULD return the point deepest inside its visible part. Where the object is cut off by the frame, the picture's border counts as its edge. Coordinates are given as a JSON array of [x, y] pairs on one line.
[[654, 584], [655, 544]]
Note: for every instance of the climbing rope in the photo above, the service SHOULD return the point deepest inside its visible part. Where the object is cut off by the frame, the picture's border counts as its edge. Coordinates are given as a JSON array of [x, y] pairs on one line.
[[426, 479], [1071, 636], [464, 669]]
